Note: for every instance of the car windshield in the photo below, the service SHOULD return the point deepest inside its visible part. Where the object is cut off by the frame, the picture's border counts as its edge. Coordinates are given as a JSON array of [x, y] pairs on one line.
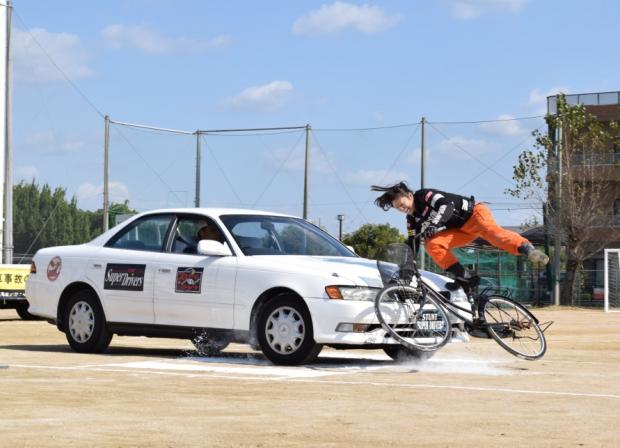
[[276, 235]]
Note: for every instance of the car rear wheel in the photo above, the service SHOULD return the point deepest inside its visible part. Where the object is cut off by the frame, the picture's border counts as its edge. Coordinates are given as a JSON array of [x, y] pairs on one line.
[[209, 344], [285, 332], [22, 311], [85, 324]]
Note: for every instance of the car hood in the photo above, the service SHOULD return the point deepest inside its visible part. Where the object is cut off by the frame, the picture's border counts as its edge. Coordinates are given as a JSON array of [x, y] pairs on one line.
[[353, 270]]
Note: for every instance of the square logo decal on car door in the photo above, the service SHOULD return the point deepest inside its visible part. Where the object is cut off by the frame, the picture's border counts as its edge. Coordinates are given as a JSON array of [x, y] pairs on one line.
[[189, 280]]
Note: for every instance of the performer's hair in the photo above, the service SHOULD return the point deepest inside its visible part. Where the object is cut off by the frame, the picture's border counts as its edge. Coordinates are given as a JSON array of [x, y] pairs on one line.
[[390, 193]]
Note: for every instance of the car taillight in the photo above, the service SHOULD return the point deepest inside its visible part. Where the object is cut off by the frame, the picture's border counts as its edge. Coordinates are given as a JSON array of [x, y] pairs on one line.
[[33, 268]]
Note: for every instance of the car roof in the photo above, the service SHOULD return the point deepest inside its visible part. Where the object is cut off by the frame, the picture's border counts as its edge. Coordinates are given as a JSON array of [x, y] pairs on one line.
[[212, 211], [209, 211]]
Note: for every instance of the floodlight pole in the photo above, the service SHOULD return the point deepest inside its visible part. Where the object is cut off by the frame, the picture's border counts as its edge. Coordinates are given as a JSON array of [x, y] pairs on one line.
[[197, 199], [340, 218], [306, 166], [106, 149], [558, 217]]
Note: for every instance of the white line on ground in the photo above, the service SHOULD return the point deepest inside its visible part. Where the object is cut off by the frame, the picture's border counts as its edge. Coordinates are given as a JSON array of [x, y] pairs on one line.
[[337, 382], [275, 371]]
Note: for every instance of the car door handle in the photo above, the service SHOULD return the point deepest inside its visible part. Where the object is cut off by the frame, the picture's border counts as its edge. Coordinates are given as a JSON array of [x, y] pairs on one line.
[[97, 266], [164, 270]]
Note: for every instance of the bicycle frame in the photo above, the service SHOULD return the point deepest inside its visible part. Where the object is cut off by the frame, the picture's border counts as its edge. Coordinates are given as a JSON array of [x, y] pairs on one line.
[[453, 308]]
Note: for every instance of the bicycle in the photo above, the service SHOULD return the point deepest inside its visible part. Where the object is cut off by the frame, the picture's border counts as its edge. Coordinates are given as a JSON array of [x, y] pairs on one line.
[[416, 315]]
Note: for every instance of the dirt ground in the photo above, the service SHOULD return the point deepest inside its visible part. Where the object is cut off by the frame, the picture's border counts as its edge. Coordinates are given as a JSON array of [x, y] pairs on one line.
[[156, 392]]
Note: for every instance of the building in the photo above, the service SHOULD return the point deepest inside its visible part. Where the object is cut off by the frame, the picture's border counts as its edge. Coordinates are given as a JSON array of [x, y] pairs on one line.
[[604, 166]]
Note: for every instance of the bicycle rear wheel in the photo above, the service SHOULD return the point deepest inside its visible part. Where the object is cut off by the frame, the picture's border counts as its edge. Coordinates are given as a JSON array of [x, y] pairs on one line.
[[514, 328], [413, 317]]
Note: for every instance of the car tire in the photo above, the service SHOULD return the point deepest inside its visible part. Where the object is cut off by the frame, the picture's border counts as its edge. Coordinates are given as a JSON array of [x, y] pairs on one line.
[[85, 324], [403, 354], [207, 344], [22, 311], [285, 332]]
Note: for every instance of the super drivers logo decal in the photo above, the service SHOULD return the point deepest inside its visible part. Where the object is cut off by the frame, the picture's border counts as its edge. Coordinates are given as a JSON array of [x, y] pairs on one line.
[[53, 269], [189, 280], [127, 277]]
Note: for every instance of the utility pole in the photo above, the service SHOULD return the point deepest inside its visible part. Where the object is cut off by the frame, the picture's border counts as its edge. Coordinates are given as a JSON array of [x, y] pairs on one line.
[[197, 197], [106, 149], [422, 178], [7, 228], [306, 166]]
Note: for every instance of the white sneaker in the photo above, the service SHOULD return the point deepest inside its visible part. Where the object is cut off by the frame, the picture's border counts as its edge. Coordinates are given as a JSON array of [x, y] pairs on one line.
[[537, 256]]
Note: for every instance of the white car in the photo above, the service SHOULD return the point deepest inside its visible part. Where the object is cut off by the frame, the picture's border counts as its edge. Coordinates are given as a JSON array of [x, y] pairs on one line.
[[263, 283]]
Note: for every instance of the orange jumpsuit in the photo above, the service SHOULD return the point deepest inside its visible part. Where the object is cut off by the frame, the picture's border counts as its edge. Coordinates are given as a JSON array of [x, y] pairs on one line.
[[463, 220], [480, 224]]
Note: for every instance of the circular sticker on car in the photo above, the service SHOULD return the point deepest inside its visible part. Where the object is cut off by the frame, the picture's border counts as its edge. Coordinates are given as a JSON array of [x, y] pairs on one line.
[[53, 268]]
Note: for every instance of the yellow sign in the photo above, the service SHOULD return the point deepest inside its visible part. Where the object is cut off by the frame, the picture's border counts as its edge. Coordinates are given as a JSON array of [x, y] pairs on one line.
[[13, 277]]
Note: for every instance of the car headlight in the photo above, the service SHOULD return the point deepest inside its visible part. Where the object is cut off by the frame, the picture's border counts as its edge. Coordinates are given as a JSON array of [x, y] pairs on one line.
[[360, 293], [458, 296]]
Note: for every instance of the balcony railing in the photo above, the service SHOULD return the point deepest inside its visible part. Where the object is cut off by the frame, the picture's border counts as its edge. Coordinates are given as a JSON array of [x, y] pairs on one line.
[[587, 99], [607, 221], [610, 158]]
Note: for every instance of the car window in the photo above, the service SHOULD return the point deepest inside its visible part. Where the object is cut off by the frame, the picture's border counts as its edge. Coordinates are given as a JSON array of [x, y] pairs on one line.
[[274, 235], [189, 230], [148, 234]]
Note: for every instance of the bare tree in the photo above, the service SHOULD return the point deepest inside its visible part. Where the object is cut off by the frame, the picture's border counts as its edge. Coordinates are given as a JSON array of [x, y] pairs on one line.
[[571, 169]]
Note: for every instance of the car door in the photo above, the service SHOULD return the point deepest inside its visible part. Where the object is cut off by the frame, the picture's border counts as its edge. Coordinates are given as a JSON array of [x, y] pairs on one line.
[[192, 289], [124, 269]]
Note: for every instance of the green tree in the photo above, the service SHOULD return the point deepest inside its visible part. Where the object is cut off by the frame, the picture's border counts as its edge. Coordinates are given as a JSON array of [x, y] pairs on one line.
[[44, 218], [369, 239], [561, 170]]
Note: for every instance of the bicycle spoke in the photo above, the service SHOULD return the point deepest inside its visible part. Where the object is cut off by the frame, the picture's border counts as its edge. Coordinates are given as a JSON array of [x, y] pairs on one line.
[[412, 318], [513, 327]]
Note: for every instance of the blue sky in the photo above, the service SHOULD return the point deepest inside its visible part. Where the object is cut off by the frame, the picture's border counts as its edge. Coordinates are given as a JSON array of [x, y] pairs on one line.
[[335, 65]]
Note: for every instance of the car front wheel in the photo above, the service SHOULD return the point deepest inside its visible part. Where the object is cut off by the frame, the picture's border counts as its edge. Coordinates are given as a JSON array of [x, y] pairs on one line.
[[85, 324], [285, 332], [403, 354]]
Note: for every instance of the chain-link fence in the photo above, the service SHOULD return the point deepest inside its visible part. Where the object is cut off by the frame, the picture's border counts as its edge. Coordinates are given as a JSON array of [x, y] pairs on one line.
[[526, 282]]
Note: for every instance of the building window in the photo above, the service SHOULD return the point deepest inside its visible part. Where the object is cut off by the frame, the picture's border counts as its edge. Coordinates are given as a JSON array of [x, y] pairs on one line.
[[615, 218]]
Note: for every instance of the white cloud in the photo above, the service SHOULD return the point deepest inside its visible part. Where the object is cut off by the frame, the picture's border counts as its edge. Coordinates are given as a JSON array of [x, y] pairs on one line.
[[118, 192], [415, 156], [462, 147], [32, 64], [339, 16], [26, 173], [270, 96], [537, 99], [282, 157], [506, 126], [46, 142], [295, 162], [473, 9], [375, 177], [143, 38]]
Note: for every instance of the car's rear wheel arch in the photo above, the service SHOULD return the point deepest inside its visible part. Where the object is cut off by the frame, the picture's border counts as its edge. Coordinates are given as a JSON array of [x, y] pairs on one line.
[[265, 298], [66, 295]]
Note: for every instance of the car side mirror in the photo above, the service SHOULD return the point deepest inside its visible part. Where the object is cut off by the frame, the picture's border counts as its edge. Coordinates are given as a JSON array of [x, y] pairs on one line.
[[351, 248], [213, 248]]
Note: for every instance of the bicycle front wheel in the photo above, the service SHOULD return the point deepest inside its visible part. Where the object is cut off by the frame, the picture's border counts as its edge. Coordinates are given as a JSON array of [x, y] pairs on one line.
[[413, 317], [514, 328]]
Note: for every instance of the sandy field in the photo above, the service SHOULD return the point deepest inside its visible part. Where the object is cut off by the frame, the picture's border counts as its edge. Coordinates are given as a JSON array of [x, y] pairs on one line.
[[157, 393]]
